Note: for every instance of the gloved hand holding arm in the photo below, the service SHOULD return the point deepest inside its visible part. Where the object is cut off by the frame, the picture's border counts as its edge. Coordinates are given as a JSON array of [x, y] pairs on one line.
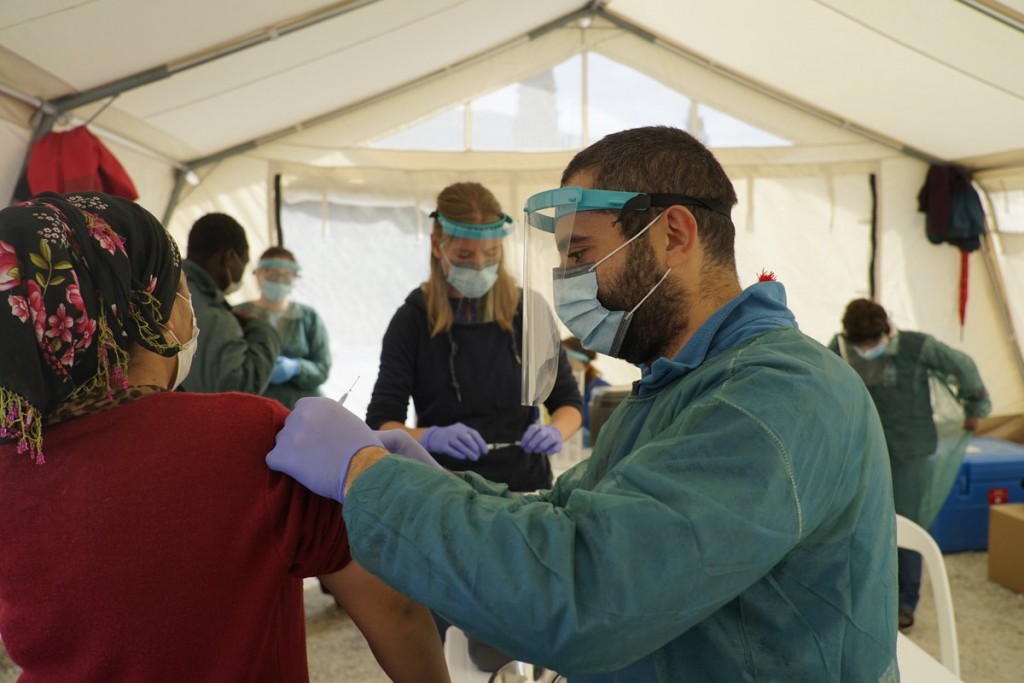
[[541, 438], [457, 440], [317, 443]]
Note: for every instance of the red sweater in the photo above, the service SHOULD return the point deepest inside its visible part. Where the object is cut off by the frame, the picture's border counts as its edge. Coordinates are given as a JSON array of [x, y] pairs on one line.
[[76, 161], [155, 545]]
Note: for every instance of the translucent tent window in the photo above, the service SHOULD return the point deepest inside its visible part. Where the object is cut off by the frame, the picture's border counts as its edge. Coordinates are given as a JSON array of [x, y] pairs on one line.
[[549, 111], [443, 132], [541, 113], [1008, 206]]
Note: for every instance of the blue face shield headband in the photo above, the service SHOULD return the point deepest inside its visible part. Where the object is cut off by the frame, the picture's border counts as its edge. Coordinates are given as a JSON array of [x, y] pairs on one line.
[[475, 231], [544, 209]]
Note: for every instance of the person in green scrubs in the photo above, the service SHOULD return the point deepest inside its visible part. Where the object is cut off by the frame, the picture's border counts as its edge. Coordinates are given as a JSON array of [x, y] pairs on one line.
[[735, 521], [896, 367]]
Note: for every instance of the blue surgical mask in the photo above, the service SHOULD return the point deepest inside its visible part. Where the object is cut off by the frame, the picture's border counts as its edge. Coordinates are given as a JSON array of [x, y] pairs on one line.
[[472, 282], [575, 294], [275, 292], [876, 351]]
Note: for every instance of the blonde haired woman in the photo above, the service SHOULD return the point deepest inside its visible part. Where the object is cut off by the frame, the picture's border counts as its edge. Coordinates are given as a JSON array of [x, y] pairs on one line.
[[454, 347]]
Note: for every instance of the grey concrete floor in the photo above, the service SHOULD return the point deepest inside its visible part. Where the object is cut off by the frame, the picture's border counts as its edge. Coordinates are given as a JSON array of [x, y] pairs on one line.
[[990, 631]]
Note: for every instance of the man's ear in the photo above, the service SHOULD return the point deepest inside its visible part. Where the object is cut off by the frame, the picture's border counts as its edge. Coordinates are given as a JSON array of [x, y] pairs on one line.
[[680, 228]]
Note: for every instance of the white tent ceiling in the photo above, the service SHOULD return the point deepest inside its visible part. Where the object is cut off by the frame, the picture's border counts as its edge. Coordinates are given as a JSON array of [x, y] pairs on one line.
[[940, 77]]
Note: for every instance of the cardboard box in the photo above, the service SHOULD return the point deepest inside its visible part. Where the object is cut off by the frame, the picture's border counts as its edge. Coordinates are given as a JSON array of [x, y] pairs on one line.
[[1006, 546]]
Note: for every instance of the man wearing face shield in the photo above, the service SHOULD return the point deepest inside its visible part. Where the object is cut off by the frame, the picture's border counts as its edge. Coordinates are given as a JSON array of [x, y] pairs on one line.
[[237, 350], [898, 369], [735, 519]]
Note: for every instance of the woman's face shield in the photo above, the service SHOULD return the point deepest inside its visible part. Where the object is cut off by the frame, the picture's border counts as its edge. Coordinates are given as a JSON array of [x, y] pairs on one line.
[[552, 231]]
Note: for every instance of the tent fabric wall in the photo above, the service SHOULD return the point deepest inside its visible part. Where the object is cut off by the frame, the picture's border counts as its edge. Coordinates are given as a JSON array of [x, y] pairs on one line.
[[808, 224]]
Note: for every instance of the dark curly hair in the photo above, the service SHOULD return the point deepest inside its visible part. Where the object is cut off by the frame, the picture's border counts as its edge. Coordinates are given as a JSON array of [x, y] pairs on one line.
[[864, 321]]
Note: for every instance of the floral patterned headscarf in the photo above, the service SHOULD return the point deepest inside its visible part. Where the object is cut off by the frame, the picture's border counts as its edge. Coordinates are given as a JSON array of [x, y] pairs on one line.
[[82, 276]]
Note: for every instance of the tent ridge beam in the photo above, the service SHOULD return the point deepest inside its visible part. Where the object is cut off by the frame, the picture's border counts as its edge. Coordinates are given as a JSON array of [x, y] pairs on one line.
[[997, 11], [416, 82]]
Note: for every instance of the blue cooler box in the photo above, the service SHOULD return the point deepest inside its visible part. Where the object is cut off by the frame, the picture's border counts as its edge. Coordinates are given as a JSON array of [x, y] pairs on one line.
[[992, 473]]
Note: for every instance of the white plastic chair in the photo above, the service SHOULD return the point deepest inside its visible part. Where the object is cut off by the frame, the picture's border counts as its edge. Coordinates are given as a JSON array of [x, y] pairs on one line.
[[911, 536]]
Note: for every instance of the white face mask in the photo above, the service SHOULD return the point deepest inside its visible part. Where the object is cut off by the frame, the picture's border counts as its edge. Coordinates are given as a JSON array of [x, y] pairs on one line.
[[234, 285], [188, 349]]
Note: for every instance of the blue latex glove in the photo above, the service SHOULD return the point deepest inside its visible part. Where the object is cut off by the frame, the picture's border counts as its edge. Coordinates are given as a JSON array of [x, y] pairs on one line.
[[457, 440], [543, 439], [316, 445], [401, 442], [284, 369]]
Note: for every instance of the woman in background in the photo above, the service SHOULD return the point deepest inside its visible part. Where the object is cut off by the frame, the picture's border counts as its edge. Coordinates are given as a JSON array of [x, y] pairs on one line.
[[146, 539], [896, 367], [305, 359], [454, 347]]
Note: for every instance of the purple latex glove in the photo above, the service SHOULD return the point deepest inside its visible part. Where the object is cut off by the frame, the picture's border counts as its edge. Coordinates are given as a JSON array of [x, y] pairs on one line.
[[543, 439], [285, 368], [401, 442], [316, 445], [457, 440]]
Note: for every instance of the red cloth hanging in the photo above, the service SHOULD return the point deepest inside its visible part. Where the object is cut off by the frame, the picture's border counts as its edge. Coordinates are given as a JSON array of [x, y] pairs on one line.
[[964, 255], [76, 161]]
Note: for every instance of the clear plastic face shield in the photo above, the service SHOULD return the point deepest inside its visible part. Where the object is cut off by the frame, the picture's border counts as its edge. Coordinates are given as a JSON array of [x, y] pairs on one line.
[[551, 235], [566, 240]]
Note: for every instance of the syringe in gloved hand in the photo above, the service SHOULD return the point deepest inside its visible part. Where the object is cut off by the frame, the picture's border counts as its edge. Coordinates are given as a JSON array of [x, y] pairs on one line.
[[341, 401]]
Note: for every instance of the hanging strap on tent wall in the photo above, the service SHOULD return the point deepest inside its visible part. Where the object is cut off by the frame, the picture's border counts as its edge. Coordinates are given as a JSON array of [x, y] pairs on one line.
[[872, 183], [277, 210]]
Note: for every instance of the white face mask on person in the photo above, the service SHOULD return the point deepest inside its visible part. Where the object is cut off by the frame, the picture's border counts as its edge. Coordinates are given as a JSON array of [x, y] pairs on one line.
[[234, 285], [188, 349]]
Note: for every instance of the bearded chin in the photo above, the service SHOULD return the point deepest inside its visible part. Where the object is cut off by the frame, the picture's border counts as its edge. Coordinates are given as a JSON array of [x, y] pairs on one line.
[[660, 319], [656, 325]]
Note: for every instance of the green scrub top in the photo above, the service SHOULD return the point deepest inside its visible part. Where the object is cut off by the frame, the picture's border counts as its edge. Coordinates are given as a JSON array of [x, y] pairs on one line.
[[735, 523], [303, 337]]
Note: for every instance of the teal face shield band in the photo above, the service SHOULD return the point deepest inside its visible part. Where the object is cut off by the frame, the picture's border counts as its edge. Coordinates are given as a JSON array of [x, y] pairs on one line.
[[545, 210], [278, 263], [475, 231]]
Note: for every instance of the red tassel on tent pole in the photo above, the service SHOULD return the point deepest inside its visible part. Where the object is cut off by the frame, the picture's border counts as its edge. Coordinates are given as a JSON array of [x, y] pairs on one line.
[[963, 288]]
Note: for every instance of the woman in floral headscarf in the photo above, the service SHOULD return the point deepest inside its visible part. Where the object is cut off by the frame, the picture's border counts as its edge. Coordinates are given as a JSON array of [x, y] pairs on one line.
[[144, 537]]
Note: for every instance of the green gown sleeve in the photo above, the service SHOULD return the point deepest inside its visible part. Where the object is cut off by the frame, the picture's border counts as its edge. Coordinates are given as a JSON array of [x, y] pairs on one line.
[[958, 372], [314, 368], [610, 572]]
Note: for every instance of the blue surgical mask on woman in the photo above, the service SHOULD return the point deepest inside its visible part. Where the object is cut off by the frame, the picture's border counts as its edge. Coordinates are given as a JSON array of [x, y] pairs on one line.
[[471, 282], [575, 294], [275, 292], [875, 352]]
